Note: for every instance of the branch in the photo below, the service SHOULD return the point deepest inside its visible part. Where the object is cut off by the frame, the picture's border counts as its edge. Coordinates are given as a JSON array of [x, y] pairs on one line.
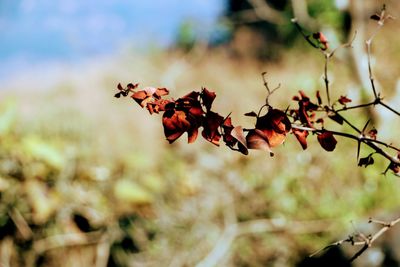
[[265, 12], [360, 239], [369, 142], [64, 240], [236, 230]]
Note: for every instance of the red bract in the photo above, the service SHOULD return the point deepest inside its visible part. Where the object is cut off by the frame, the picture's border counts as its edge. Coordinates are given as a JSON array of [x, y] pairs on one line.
[[321, 38], [327, 141], [343, 100]]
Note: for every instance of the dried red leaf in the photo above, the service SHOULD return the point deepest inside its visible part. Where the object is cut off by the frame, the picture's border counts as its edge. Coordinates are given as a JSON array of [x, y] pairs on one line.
[[158, 105], [301, 136], [227, 137], [273, 127], [327, 141], [238, 134], [161, 92], [207, 97], [256, 140], [303, 115], [306, 110], [275, 120], [175, 124], [193, 132], [212, 121], [344, 99]]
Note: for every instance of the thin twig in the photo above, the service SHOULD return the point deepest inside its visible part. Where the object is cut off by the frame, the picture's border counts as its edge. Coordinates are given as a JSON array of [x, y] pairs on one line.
[[365, 242], [362, 139]]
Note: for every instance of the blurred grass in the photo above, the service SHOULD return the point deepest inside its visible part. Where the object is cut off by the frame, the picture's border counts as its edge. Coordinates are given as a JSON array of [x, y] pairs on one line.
[[96, 173]]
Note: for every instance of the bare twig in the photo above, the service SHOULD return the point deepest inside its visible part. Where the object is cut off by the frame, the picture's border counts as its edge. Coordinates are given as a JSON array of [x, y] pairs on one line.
[[369, 142], [361, 240]]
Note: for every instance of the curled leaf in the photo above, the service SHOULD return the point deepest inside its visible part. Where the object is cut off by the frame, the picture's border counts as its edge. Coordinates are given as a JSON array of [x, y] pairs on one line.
[[175, 124], [238, 134], [336, 117], [257, 140], [327, 141], [366, 161], [343, 100], [301, 136], [207, 97], [212, 122]]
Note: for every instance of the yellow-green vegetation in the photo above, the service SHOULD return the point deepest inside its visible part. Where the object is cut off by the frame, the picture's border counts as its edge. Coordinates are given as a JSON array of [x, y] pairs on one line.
[[86, 179]]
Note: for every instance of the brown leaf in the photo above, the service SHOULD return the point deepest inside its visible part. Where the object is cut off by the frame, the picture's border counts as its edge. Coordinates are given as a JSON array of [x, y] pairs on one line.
[[175, 124], [227, 137], [343, 100], [212, 122], [327, 141], [301, 136], [157, 106], [275, 120], [161, 92], [192, 134], [238, 134], [207, 97], [256, 141]]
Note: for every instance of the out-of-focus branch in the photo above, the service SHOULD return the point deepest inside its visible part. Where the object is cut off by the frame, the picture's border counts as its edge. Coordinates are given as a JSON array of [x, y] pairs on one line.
[[300, 12], [65, 240], [21, 224], [260, 11], [236, 230], [359, 239]]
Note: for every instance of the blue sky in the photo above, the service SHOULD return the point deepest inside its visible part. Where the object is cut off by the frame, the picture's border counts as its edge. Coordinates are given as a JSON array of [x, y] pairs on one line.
[[39, 30]]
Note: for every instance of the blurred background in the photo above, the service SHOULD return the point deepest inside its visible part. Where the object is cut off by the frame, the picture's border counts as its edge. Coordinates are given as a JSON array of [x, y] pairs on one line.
[[89, 180]]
